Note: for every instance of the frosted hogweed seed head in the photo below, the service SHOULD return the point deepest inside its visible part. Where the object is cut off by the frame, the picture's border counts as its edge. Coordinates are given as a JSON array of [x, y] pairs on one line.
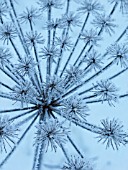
[[52, 53], [53, 24], [112, 133], [90, 6], [70, 20], [64, 42], [74, 108], [51, 83], [77, 163], [29, 15], [33, 38], [7, 32], [91, 37], [52, 134], [73, 75], [93, 60], [25, 66], [119, 52], [106, 90], [55, 86], [45, 4], [104, 22], [24, 92]]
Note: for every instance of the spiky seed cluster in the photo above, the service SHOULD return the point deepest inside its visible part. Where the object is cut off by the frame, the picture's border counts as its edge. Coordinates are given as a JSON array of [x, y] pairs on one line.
[[90, 6], [106, 91], [46, 77], [24, 92], [52, 53], [70, 20], [112, 133], [74, 108], [93, 60], [77, 163], [29, 15], [73, 75], [8, 133], [55, 86], [34, 38], [104, 23], [64, 42], [46, 4], [51, 133], [7, 32], [91, 37], [119, 52], [54, 24], [25, 66]]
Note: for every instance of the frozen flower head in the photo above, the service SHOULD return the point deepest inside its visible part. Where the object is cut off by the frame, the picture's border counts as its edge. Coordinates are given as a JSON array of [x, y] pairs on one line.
[[8, 133], [51, 133], [74, 108], [119, 52], [64, 42], [123, 5], [34, 38], [90, 6], [46, 4], [104, 23], [70, 20], [73, 75], [93, 60], [29, 15], [106, 91], [7, 32], [51, 93], [112, 133], [5, 56], [24, 92], [52, 53], [53, 24], [55, 86], [77, 163], [25, 66], [90, 37]]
